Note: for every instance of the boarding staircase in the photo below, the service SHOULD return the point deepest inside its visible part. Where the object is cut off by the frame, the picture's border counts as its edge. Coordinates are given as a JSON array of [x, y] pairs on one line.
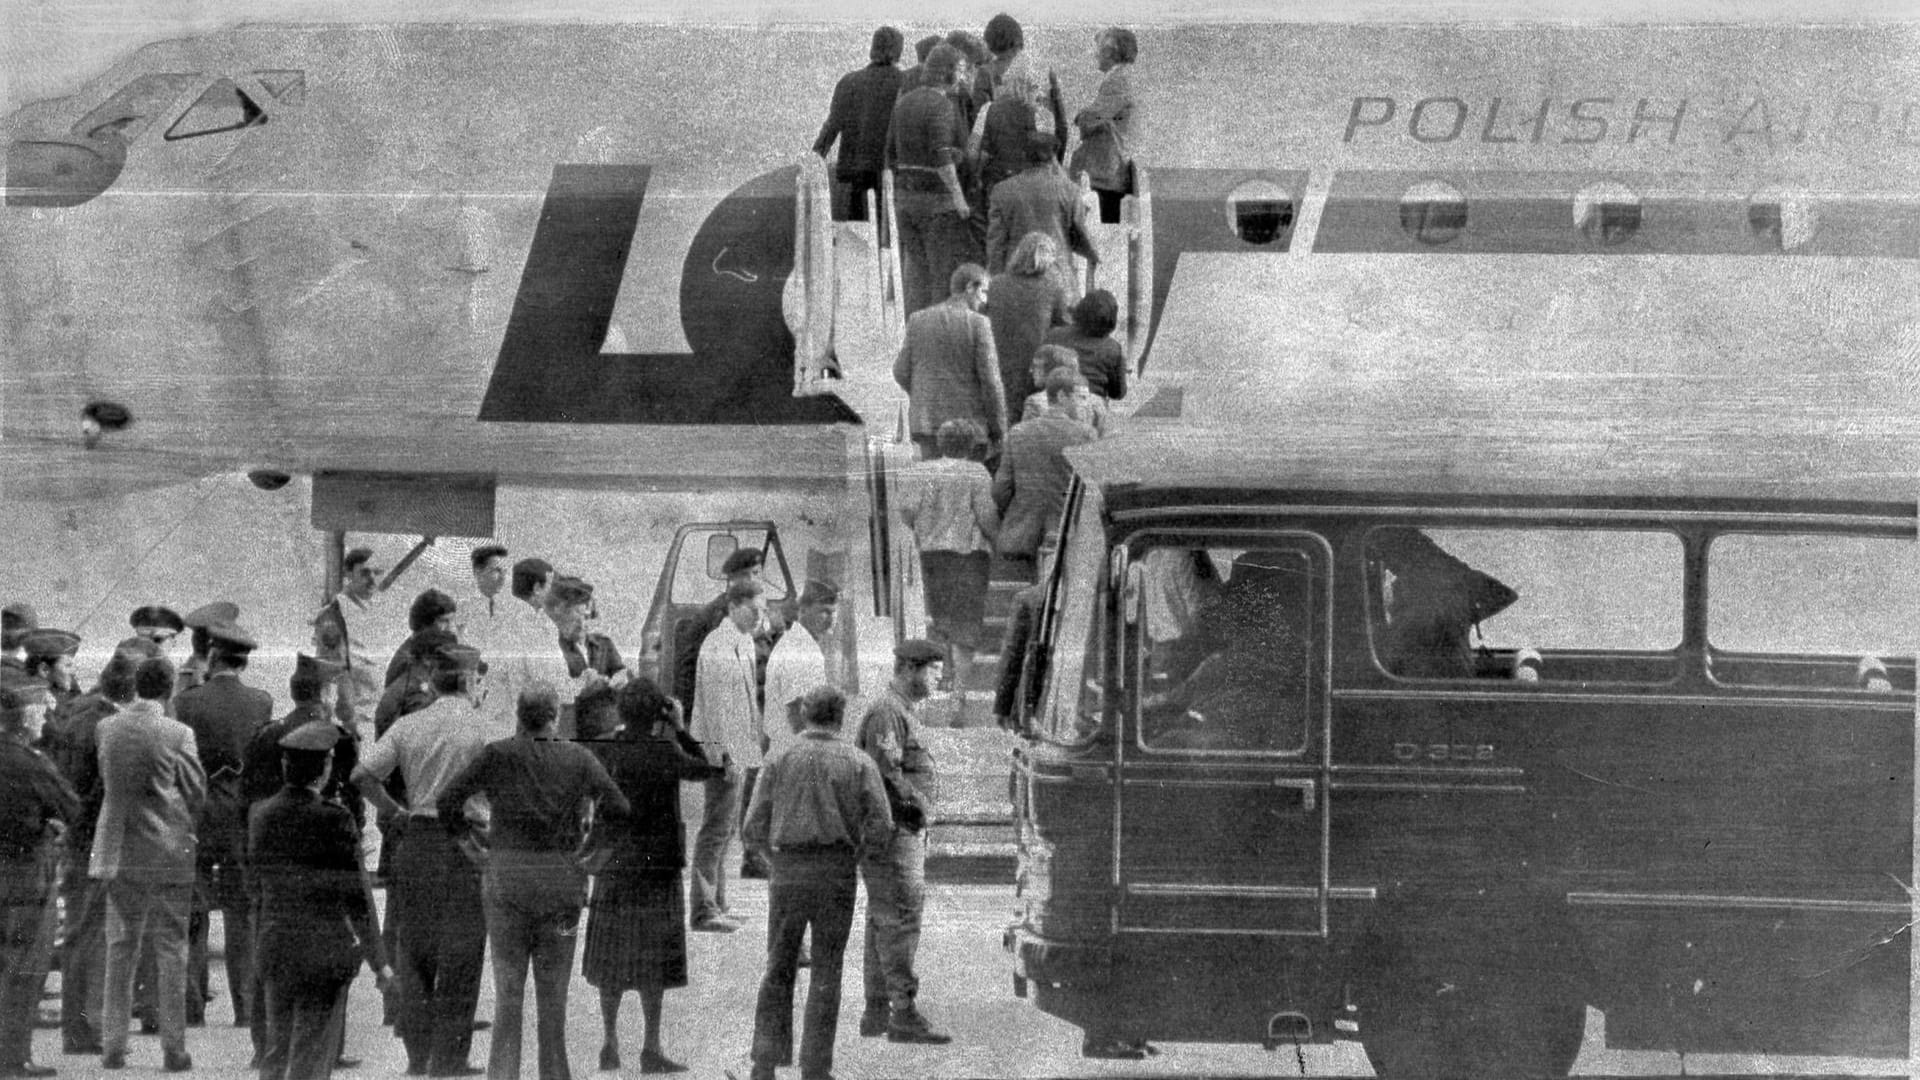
[[844, 306]]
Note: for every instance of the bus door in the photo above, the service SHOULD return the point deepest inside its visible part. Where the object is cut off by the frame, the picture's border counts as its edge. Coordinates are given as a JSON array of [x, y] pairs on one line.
[[1222, 802]]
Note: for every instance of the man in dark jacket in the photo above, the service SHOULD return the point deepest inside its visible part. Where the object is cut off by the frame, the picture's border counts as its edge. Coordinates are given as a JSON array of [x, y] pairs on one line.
[[316, 915], [36, 804], [860, 117], [224, 714]]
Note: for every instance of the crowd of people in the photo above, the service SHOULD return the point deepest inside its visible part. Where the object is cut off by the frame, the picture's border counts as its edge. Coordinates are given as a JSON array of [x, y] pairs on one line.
[[503, 771], [988, 201]]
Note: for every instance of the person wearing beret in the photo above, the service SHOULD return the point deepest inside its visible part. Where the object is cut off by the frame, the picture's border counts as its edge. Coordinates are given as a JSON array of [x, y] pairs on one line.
[[143, 849], [200, 623], [315, 687], [433, 901], [317, 920], [896, 879], [36, 806], [16, 619], [225, 714]]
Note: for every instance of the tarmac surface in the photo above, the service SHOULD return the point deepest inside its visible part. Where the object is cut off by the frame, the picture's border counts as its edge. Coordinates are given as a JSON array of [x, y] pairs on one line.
[[966, 988]]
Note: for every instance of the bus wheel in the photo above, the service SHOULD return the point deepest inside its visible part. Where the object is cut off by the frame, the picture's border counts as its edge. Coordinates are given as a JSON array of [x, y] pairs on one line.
[[1424, 1023]]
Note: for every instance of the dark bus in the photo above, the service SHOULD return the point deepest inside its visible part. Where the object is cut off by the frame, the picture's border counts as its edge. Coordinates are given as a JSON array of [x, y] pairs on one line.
[[1437, 758]]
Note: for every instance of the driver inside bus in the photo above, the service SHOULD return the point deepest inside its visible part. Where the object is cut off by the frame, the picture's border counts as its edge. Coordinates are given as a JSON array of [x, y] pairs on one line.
[[1433, 604], [1249, 693]]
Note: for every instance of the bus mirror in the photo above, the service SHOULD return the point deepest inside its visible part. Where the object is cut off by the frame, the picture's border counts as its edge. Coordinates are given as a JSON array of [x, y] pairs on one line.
[[719, 547]]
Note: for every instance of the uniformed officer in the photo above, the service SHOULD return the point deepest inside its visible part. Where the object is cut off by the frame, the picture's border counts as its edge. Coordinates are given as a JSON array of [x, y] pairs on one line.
[[317, 920], [820, 804], [225, 715], [200, 623], [314, 688], [36, 806], [49, 659], [897, 878]]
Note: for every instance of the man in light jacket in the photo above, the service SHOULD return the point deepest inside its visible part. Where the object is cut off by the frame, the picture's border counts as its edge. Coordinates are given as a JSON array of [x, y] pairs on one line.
[[144, 850]]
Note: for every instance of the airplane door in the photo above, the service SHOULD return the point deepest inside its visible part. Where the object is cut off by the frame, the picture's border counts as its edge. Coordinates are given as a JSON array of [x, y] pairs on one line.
[[1222, 801]]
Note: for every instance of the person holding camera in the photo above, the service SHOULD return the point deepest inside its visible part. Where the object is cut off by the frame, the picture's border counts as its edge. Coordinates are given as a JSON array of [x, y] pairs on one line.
[[896, 872]]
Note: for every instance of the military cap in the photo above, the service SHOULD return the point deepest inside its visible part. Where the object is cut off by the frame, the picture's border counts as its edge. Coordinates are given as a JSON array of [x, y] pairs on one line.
[[426, 645], [314, 736], [46, 644], [231, 639], [918, 651], [139, 648], [570, 590], [15, 696], [207, 615], [460, 658], [427, 607], [745, 558], [19, 615], [308, 668], [156, 615]]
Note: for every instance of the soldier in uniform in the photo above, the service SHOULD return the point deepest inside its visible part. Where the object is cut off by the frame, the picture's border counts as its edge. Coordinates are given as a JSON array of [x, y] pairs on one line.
[[49, 660], [224, 714], [314, 686], [200, 623], [897, 878], [36, 806], [317, 920]]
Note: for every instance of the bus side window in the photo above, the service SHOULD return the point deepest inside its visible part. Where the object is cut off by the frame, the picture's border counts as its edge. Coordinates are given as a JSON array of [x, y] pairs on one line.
[[1815, 611]]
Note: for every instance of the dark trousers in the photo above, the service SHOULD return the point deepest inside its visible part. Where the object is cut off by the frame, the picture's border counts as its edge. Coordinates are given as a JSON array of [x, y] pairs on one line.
[[83, 957], [896, 898], [441, 932], [854, 188], [533, 918], [137, 912], [808, 889], [301, 1030], [220, 889], [1109, 205], [26, 949], [934, 241]]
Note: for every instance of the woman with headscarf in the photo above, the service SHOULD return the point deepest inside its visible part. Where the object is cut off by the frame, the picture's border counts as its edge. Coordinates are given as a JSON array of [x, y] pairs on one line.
[[637, 919]]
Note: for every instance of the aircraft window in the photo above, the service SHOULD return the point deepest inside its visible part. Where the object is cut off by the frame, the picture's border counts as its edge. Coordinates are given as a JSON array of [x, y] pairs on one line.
[[1807, 610], [1606, 213], [1433, 212], [223, 107], [1226, 645], [1260, 212], [1779, 221], [1578, 605]]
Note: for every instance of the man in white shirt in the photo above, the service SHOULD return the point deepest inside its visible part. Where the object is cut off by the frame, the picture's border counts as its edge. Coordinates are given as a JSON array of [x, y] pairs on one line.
[[798, 664], [439, 922], [521, 637], [481, 612], [726, 719]]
